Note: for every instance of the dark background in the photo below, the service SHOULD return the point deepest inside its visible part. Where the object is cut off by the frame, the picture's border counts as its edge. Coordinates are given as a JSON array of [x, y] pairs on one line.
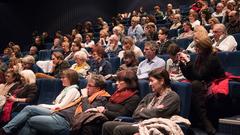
[[19, 18]]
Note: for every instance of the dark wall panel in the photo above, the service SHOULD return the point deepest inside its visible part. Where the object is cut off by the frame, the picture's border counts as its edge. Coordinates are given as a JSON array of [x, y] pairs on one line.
[[20, 18]]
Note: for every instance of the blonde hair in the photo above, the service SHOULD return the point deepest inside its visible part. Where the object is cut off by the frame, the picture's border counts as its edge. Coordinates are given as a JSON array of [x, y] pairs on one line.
[[28, 59], [29, 76], [200, 32]]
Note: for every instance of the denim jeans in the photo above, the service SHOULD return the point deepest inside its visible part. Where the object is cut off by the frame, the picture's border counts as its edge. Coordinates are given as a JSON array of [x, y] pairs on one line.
[[36, 118]]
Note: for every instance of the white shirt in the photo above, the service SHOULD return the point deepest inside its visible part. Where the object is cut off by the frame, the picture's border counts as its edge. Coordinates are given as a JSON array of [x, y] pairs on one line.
[[145, 67], [229, 44], [137, 51]]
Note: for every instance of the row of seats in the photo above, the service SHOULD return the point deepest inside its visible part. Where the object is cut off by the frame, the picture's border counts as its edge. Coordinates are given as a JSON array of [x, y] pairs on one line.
[[49, 88]]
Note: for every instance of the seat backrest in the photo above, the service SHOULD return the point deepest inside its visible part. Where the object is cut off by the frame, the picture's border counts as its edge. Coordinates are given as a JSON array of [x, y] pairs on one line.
[[144, 88], [44, 55], [184, 91], [237, 38], [48, 89], [233, 63], [115, 62]]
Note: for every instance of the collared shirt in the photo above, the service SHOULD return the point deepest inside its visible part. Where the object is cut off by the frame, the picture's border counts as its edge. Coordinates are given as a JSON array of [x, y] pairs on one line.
[[228, 44], [146, 66], [136, 32]]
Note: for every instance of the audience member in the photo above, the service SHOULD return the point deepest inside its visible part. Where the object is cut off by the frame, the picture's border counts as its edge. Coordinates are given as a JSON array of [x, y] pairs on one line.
[[81, 65], [163, 102], [201, 72], [48, 118], [176, 22], [130, 61], [135, 30], [151, 62], [56, 44], [234, 23], [28, 62], [88, 41], [128, 44], [24, 92], [222, 41], [172, 64], [123, 102], [33, 51], [163, 42], [187, 31], [100, 65]]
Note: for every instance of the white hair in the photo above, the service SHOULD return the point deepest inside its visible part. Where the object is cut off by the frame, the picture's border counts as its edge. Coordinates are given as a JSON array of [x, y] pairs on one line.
[[80, 55], [29, 76]]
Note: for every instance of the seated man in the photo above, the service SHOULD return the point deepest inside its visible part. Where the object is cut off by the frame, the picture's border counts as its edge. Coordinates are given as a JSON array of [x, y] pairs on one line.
[[222, 41], [151, 62]]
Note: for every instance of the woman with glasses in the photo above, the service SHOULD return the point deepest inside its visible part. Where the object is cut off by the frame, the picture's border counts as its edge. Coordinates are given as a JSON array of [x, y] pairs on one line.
[[45, 112], [122, 103]]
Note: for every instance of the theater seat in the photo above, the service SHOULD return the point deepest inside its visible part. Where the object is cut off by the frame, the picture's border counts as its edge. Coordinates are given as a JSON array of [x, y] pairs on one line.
[[48, 89], [115, 62], [184, 91], [44, 55]]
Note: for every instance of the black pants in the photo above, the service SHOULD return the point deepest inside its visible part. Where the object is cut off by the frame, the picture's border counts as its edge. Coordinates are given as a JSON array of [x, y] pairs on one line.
[[207, 108], [118, 128]]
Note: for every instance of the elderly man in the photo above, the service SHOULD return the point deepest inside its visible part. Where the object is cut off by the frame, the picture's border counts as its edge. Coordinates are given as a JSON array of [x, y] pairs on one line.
[[234, 23], [219, 11], [222, 41], [151, 62]]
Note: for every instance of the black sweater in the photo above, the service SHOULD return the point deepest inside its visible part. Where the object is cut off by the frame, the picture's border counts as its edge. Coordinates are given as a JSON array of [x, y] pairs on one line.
[[204, 69]]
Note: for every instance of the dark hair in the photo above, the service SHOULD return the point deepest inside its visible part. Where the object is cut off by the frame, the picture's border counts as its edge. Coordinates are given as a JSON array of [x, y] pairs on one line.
[[173, 49], [129, 77], [58, 55], [130, 54], [99, 50], [72, 75], [14, 74], [164, 30], [160, 73]]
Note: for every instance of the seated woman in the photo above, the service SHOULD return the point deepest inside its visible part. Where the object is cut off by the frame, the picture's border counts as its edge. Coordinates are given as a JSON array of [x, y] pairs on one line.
[[122, 103], [45, 112], [100, 65], [129, 61], [58, 119], [81, 65], [172, 64], [163, 102], [25, 92], [128, 44]]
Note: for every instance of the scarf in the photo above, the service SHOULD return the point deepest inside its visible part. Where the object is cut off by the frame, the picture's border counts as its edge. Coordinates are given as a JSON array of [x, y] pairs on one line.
[[120, 96], [101, 93]]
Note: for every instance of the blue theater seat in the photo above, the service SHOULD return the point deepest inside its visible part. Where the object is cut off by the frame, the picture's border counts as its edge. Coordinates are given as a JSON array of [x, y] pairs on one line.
[[115, 62], [44, 55], [233, 63], [183, 43], [48, 89], [237, 38]]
